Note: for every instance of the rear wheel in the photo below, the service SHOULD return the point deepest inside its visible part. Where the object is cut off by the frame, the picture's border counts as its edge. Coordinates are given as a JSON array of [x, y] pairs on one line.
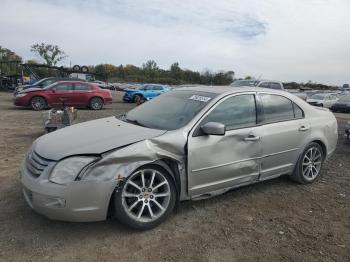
[[309, 164], [38, 103], [146, 199], [96, 103]]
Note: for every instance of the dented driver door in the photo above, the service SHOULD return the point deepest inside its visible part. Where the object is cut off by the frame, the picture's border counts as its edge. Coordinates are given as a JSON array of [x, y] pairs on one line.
[[219, 162]]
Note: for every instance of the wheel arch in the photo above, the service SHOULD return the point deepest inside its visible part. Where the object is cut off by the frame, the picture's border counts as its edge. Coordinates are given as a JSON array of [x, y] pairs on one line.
[[96, 96], [169, 165], [322, 145], [41, 96], [137, 94]]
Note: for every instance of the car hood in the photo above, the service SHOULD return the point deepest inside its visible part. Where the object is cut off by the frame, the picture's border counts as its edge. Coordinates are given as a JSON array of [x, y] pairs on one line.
[[343, 103], [314, 100], [25, 86], [32, 89], [131, 90], [92, 137]]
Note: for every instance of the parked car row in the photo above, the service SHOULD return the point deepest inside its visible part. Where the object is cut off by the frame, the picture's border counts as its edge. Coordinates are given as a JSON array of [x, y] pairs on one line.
[[336, 102], [268, 84], [51, 91]]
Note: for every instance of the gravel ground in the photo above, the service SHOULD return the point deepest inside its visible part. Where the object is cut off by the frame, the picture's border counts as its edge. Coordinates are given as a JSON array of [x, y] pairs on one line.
[[276, 220]]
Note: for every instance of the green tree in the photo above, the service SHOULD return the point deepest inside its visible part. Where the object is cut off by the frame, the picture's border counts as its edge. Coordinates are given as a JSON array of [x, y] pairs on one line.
[[175, 71], [150, 69], [51, 54], [9, 61]]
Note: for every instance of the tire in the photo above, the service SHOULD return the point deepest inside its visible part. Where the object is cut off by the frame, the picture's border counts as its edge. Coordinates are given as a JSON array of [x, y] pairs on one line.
[[38, 103], [84, 69], [136, 203], [309, 165], [139, 99], [96, 103], [76, 67]]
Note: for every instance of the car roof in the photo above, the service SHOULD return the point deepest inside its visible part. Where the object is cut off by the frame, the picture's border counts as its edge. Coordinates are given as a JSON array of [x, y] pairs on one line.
[[73, 81], [153, 84], [230, 89]]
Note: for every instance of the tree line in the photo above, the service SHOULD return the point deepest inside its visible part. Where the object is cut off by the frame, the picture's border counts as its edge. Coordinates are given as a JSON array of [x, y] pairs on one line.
[[149, 72]]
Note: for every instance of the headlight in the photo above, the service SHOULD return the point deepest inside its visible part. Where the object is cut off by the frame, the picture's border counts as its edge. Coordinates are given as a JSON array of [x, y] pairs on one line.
[[68, 169], [21, 95]]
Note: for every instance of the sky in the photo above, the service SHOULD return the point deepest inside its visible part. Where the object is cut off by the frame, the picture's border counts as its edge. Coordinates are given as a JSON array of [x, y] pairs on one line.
[[287, 40]]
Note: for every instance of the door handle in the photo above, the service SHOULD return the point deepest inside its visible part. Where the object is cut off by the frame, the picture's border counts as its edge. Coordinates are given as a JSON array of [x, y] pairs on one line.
[[304, 128], [251, 138]]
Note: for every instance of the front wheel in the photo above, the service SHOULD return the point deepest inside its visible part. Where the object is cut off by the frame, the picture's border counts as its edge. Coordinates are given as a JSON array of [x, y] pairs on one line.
[[146, 198], [139, 99], [309, 165], [38, 103], [96, 103]]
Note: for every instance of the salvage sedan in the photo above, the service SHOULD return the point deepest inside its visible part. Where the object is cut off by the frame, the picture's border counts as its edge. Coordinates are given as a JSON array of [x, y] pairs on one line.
[[72, 93], [190, 143]]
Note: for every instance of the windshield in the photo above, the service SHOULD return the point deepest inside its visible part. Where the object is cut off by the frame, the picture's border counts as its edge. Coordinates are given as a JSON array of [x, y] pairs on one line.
[[39, 81], [244, 83], [345, 99], [169, 111], [318, 97]]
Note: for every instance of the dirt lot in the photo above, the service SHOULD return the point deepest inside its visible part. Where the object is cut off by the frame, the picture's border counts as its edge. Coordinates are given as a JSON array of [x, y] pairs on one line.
[[272, 221]]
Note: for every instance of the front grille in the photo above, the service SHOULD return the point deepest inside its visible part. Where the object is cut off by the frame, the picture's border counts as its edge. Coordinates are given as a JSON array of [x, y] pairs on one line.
[[36, 164]]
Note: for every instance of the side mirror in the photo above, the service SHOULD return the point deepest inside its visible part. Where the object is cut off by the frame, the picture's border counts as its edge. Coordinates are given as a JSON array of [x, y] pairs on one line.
[[213, 128]]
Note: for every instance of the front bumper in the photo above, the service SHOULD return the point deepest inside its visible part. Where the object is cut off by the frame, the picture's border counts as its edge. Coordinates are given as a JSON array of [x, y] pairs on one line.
[[347, 133], [20, 101], [108, 100], [128, 98], [79, 201]]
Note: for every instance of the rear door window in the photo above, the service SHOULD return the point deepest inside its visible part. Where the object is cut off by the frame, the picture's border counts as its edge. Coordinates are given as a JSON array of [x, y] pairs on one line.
[[274, 85], [80, 87], [264, 84], [63, 87], [276, 108]]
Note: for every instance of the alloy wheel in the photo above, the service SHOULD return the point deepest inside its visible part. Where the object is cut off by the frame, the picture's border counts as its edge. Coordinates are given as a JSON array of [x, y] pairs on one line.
[[96, 104], [146, 195], [312, 163], [38, 103]]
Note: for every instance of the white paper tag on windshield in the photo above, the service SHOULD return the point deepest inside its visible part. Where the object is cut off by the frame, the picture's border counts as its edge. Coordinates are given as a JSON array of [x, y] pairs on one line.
[[200, 98]]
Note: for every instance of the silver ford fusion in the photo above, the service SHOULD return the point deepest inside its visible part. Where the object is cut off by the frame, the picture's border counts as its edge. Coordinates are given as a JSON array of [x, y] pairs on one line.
[[191, 143]]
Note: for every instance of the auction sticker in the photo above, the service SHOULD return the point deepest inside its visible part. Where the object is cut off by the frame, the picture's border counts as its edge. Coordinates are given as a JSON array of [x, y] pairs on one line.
[[200, 98]]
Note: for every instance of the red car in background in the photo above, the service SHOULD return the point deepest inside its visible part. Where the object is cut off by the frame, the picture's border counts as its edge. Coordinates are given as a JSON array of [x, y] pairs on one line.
[[73, 93]]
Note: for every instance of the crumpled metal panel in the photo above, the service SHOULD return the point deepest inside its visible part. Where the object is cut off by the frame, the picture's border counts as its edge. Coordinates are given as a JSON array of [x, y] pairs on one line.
[[120, 163]]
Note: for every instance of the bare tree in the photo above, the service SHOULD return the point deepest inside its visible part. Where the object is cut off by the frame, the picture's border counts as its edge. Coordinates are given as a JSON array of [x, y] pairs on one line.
[[52, 54]]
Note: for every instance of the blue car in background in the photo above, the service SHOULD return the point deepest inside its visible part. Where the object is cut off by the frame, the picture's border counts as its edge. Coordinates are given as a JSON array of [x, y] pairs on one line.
[[144, 93]]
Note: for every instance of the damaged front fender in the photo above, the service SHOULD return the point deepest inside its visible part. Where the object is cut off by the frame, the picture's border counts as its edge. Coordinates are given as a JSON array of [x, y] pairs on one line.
[[167, 151]]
